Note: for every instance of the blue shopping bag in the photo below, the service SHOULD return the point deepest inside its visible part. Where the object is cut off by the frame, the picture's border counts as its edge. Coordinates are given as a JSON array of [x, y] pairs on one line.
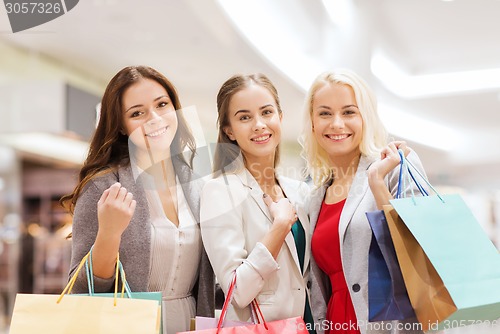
[[387, 295], [459, 251]]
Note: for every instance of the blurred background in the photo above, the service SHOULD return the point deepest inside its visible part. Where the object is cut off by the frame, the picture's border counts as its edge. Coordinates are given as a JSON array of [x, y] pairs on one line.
[[434, 65]]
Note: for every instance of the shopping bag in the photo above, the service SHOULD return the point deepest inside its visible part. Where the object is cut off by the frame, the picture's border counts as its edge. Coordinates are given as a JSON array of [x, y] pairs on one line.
[[208, 323], [286, 326], [58, 314], [294, 325], [126, 291], [428, 295], [460, 252], [387, 295]]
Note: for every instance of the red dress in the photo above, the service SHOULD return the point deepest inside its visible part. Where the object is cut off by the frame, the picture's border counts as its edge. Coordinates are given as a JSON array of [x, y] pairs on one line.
[[326, 251]]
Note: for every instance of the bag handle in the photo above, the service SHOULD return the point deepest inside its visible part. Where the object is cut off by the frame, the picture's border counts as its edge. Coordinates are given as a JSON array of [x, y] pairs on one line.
[[87, 262], [258, 312], [405, 173], [119, 269], [69, 286], [254, 307]]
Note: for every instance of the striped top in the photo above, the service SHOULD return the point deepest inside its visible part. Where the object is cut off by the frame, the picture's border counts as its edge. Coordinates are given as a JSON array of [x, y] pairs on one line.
[[175, 257]]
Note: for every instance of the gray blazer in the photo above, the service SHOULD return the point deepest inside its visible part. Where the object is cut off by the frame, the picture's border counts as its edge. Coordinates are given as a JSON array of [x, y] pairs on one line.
[[355, 235], [135, 247]]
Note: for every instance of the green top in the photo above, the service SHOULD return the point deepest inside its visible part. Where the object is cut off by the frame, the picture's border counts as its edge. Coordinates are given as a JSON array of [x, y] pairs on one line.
[[299, 236]]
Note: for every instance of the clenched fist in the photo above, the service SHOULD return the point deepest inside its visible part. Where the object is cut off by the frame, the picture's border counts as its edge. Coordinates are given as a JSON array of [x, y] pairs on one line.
[[115, 210]]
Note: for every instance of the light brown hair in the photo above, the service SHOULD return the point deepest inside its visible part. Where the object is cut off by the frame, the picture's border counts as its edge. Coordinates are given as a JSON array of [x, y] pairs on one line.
[[109, 145]]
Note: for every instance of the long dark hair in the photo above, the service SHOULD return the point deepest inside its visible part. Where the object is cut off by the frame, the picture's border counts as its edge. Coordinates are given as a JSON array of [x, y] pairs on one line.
[[227, 151], [109, 145]]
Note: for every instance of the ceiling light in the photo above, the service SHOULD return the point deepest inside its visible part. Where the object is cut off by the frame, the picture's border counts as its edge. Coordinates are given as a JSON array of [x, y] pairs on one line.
[[339, 11], [302, 69], [409, 86], [48, 145], [419, 130], [286, 55]]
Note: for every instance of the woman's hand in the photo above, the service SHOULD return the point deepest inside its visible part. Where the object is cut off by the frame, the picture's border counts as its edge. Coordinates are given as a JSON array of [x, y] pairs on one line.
[[284, 216], [115, 210], [389, 159], [282, 211]]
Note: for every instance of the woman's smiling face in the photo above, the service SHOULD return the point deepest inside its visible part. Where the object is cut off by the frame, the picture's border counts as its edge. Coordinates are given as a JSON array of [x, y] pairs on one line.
[[337, 121], [254, 122], [149, 118]]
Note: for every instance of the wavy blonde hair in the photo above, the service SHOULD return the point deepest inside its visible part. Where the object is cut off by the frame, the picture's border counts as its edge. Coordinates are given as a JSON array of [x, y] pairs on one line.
[[374, 136]]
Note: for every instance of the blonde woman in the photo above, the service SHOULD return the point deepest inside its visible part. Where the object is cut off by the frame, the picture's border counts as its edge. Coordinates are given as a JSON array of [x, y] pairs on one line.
[[353, 169]]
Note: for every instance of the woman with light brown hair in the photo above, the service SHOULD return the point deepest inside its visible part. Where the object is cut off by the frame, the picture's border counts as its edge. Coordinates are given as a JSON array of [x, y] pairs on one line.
[[137, 195], [253, 220]]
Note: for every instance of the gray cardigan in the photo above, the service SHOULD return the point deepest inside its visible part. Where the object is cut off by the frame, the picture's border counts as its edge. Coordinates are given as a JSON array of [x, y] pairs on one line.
[[135, 247], [355, 234]]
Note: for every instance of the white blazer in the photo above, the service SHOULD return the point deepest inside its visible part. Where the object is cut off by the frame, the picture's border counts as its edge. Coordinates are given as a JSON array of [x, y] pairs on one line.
[[355, 237], [234, 219]]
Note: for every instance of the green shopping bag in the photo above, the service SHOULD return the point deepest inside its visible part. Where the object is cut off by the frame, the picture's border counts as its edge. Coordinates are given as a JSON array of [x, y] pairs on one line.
[[461, 253]]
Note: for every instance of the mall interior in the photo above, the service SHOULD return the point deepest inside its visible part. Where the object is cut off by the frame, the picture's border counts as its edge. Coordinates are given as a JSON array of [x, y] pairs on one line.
[[433, 64]]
